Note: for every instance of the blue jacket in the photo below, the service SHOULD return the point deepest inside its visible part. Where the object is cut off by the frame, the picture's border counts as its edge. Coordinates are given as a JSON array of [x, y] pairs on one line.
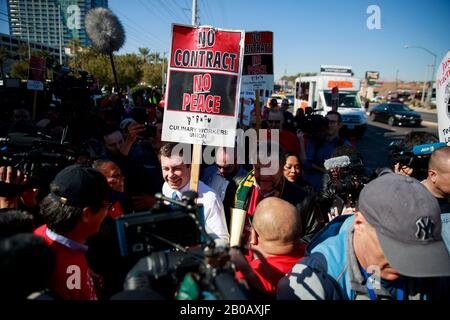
[[330, 271]]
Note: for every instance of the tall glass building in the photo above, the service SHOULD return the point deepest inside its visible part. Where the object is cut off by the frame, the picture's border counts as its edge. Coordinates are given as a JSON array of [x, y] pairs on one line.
[[48, 21]]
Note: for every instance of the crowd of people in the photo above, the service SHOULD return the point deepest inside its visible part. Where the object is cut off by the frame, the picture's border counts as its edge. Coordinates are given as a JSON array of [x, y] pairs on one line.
[[389, 239]]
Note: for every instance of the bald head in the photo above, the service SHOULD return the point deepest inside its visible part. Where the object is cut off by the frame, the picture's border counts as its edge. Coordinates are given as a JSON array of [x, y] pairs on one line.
[[226, 155], [277, 221], [226, 162], [440, 160]]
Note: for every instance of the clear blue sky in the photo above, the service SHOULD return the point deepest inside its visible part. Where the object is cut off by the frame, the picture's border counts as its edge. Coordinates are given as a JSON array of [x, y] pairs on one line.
[[307, 33]]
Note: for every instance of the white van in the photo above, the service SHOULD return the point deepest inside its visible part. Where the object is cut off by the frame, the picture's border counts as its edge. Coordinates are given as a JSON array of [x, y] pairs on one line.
[[316, 92]]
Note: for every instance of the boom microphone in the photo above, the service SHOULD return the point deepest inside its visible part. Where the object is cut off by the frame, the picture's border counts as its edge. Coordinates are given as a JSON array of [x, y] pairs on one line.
[[337, 162], [105, 30]]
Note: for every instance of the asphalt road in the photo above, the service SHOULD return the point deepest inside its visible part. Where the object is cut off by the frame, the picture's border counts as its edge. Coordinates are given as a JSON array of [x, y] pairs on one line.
[[374, 145], [429, 116]]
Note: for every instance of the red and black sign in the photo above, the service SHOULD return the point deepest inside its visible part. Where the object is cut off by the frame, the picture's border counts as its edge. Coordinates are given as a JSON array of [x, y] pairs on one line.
[[258, 53], [37, 69], [204, 70]]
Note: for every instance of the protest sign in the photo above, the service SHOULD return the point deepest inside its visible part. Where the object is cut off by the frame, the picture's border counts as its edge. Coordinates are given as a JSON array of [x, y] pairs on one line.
[[202, 95]]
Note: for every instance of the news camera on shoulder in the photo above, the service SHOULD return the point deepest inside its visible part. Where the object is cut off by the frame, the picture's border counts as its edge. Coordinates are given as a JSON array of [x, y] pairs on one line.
[[36, 157], [175, 257], [346, 176], [410, 156]]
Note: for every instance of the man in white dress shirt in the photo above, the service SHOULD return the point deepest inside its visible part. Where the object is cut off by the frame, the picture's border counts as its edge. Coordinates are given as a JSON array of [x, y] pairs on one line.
[[177, 175]]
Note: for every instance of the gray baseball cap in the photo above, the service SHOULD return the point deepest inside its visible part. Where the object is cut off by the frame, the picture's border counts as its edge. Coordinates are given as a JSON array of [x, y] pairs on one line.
[[406, 217]]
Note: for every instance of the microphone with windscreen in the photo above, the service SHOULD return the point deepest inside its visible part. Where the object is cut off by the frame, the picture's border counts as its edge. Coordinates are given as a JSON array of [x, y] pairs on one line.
[[106, 33], [337, 162]]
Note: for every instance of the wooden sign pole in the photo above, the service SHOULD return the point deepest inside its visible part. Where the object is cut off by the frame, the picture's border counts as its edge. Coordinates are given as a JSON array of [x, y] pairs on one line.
[[241, 118], [257, 112], [195, 167]]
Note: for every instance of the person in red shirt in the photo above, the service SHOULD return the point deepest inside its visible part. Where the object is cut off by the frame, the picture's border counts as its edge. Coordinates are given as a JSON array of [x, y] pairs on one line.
[[288, 140], [73, 211], [275, 242]]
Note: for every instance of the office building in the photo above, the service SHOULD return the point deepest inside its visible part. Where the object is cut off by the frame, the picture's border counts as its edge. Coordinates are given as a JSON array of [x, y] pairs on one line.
[[49, 21]]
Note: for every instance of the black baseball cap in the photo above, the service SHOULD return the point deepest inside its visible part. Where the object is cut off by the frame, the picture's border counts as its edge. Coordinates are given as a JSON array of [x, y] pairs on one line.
[[407, 220], [81, 186]]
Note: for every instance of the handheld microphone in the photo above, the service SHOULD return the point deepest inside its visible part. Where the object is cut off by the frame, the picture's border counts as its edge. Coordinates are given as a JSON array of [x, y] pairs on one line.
[[337, 162]]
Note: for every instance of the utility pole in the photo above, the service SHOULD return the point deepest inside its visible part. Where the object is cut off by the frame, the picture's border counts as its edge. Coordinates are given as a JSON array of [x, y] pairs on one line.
[[430, 88], [396, 80], [424, 85], [194, 12], [163, 73]]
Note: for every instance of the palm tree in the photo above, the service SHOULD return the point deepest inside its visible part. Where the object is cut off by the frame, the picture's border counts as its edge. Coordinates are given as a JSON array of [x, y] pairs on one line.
[[144, 52], [23, 52], [49, 60], [155, 58]]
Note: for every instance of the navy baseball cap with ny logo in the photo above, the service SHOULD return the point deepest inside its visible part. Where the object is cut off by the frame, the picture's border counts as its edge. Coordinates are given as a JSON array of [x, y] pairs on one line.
[[407, 220]]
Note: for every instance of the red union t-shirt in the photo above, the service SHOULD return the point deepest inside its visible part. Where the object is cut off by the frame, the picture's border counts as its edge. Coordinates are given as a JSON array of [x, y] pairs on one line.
[[71, 279], [273, 269]]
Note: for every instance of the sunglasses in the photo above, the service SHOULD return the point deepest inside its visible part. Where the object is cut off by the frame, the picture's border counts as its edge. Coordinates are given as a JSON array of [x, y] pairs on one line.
[[225, 167]]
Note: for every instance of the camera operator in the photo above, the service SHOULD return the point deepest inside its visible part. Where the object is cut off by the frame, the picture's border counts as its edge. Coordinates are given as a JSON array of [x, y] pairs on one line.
[[320, 148], [438, 183], [343, 182], [405, 162], [14, 193]]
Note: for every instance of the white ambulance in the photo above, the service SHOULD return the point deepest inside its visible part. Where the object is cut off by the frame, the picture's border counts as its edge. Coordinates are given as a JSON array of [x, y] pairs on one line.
[[334, 85]]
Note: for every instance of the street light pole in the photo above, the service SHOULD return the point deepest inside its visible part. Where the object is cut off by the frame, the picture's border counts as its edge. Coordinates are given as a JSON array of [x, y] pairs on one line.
[[422, 99], [396, 80], [430, 88], [28, 38], [60, 35], [162, 73]]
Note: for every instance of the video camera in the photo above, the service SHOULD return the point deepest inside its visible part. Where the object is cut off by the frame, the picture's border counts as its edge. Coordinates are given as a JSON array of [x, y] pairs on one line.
[[140, 115], [416, 158], [313, 123], [39, 158], [176, 255], [345, 179]]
